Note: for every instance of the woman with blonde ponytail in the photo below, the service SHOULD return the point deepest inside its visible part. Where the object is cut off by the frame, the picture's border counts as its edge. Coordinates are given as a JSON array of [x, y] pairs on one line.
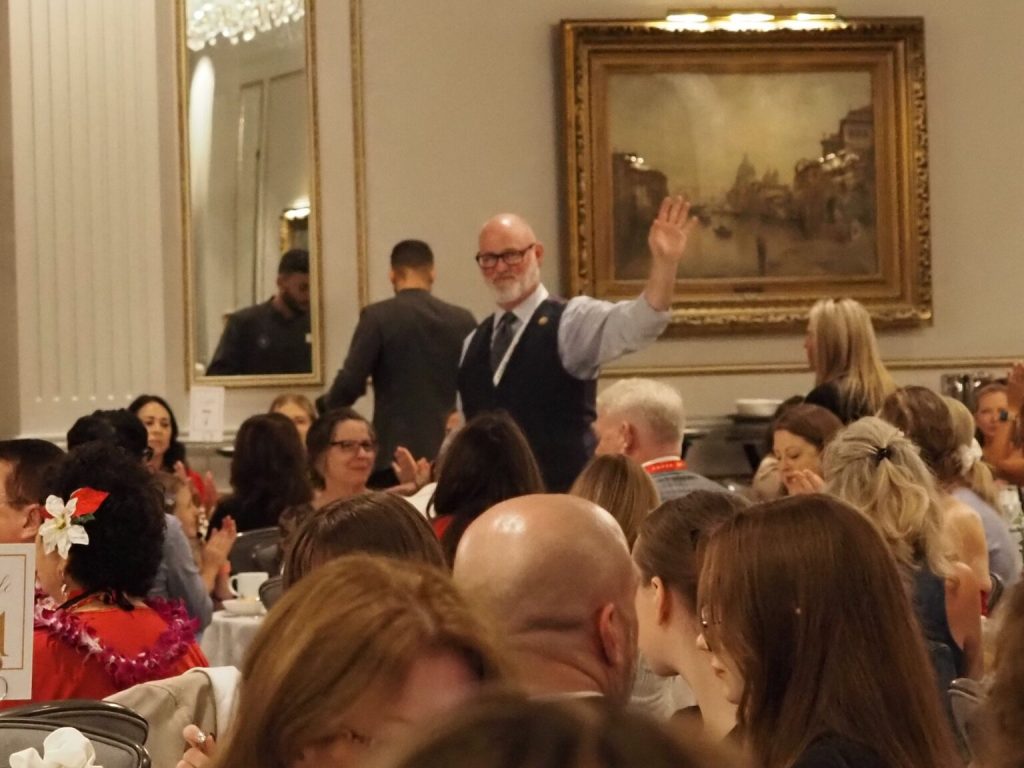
[[976, 488], [874, 468]]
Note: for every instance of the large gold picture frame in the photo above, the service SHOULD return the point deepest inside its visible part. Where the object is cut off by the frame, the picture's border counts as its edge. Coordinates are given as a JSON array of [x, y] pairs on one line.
[[803, 152]]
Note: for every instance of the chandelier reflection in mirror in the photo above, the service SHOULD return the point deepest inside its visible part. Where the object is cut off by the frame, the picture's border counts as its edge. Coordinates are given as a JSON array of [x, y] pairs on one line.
[[238, 20]]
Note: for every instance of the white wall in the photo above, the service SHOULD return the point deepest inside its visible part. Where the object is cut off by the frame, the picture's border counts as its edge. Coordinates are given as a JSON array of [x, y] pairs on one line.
[[463, 121], [87, 212], [462, 115]]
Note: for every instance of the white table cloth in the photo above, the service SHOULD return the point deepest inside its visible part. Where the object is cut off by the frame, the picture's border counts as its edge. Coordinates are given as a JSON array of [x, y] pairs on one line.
[[227, 638]]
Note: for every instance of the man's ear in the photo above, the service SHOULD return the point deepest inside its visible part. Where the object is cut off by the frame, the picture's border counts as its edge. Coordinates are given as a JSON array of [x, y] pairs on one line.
[[627, 431], [33, 519], [538, 250], [612, 634]]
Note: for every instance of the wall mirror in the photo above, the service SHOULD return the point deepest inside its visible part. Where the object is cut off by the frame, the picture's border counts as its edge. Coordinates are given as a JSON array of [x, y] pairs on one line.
[[249, 175]]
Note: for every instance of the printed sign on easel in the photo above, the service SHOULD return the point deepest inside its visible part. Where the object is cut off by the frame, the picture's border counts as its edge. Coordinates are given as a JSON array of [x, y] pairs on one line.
[[17, 597]]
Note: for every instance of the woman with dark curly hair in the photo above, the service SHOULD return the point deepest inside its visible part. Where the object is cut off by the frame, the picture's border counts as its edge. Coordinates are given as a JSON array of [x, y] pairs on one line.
[[97, 555], [268, 473]]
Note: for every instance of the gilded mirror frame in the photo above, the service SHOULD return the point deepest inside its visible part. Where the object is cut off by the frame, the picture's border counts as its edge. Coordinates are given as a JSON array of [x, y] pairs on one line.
[[280, 380]]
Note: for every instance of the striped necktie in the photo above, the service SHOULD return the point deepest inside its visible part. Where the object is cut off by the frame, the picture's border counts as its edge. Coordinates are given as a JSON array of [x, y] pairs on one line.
[[502, 339]]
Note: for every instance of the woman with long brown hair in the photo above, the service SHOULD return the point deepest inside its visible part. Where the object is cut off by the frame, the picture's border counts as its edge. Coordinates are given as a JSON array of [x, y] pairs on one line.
[[1004, 711], [365, 648], [666, 555], [805, 618]]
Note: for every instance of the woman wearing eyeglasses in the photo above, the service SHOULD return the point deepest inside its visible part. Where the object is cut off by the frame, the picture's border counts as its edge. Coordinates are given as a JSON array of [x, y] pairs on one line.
[[804, 616], [342, 448], [268, 473]]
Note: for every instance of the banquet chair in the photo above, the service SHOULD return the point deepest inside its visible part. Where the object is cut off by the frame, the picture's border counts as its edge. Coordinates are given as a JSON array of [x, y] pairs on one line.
[[248, 543], [112, 751], [997, 592], [967, 698], [103, 716], [271, 591], [268, 558]]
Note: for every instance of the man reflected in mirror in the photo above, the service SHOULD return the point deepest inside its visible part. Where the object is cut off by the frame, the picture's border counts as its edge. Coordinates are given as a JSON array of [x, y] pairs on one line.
[[274, 336], [410, 346]]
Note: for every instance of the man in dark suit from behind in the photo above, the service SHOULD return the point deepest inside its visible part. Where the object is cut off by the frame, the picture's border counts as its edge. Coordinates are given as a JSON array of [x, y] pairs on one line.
[[410, 346]]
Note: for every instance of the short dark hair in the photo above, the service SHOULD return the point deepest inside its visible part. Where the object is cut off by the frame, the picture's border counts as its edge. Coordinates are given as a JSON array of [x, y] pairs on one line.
[[30, 460], [295, 261], [376, 523], [412, 254], [120, 428], [126, 535]]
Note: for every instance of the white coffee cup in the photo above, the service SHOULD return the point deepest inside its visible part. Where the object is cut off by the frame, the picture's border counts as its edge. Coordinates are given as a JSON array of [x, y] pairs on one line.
[[247, 584]]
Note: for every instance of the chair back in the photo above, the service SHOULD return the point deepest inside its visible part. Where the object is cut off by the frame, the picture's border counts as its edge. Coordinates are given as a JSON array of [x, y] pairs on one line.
[[997, 591], [17, 734], [271, 591], [268, 558], [103, 716], [248, 543], [966, 699]]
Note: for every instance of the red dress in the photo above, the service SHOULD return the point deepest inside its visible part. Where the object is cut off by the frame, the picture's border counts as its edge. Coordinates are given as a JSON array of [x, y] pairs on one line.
[[144, 646]]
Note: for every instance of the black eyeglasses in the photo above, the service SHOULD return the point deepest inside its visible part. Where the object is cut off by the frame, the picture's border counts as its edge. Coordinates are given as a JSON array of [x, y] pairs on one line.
[[511, 258], [352, 446]]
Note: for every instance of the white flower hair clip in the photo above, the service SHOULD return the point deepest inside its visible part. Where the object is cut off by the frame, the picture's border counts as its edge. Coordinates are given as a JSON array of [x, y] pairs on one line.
[[65, 523], [969, 455]]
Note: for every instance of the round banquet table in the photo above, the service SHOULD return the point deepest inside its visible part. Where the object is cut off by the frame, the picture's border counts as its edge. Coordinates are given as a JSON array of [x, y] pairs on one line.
[[227, 638]]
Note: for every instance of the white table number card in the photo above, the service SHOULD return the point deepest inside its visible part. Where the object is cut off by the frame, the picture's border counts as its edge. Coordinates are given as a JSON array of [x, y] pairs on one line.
[[206, 414], [17, 599]]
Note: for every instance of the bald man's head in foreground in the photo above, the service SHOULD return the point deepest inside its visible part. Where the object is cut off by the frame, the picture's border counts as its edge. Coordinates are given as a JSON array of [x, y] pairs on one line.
[[555, 574]]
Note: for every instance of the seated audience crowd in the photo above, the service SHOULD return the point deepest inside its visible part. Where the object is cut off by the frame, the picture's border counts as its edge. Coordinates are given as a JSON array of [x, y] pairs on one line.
[[465, 616]]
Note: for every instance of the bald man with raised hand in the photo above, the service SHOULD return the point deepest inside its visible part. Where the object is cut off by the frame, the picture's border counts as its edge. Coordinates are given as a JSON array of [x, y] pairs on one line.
[[555, 574], [538, 357]]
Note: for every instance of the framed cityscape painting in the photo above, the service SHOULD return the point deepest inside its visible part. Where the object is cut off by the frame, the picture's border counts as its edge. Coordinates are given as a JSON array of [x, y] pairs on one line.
[[803, 154]]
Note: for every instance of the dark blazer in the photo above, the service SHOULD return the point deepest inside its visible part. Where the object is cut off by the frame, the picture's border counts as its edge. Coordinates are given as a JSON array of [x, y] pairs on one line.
[[410, 345]]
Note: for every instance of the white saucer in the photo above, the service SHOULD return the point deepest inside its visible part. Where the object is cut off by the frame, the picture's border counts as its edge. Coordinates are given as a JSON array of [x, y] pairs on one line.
[[241, 607]]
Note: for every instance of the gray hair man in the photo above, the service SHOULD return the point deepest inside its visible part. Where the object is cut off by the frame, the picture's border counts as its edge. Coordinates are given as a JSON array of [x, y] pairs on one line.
[[644, 419]]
